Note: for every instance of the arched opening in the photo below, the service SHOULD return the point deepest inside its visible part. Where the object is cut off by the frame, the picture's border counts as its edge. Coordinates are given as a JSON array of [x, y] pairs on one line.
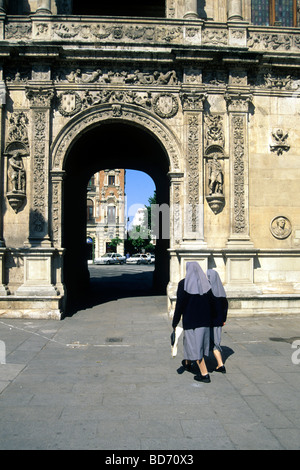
[[109, 145], [135, 8]]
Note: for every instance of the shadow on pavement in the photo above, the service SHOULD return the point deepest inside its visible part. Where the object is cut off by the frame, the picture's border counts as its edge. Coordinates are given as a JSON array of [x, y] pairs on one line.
[[107, 288]]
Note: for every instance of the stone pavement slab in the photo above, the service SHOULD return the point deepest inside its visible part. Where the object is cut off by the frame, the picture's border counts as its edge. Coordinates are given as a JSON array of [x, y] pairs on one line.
[[105, 379]]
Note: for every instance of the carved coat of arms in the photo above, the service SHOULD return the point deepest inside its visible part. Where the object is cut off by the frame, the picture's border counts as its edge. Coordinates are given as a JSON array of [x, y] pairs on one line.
[[69, 103]]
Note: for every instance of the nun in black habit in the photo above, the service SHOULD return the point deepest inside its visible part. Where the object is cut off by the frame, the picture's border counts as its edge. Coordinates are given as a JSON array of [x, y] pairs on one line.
[[220, 316], [195, 306]]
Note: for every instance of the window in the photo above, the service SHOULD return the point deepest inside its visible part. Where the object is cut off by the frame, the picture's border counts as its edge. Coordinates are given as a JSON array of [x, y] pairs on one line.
[[111, 180], [274, 12], [111, 215], [90, 210], [142, 8]]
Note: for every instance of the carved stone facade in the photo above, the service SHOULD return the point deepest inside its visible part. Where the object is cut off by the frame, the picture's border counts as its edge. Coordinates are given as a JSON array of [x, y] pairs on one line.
[[200, 98]]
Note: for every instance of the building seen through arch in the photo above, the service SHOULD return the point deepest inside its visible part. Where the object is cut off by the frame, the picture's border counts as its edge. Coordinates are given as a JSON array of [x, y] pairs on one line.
[[203, 96]]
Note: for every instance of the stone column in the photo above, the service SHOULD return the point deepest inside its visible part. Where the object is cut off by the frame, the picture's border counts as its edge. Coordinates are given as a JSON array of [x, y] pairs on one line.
[[234, 10], [191, 9], [44, 7]]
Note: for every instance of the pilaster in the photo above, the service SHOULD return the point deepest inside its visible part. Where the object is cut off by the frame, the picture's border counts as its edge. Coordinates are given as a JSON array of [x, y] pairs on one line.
[[40, 103], [192, 103]]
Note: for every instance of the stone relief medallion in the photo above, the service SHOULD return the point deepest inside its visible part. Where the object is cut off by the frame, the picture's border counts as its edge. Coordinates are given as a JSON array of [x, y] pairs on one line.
[[69, 103], [165, 105], [280, 227]]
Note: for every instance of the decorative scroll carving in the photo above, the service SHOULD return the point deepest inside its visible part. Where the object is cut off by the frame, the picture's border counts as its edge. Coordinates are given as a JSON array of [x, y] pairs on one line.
[[193, 171], [279, 144], [39, 182], [240, 223]]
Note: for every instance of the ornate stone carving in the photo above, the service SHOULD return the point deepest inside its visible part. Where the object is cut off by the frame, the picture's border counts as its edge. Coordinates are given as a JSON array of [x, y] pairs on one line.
[[69, 103], [39, 97], [165, 105], [17, 130], [214, 153], [16, 180], [214, 134], [238, 101], [280, 227], [279, 142], [39, 176], [118, 31], [193, 171], [192, 101], [123, 77], [138, 116], [239, 221]]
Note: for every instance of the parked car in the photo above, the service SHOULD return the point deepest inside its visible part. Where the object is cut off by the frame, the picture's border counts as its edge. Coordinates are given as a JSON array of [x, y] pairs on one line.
[[152, 259], [138, 259], [110, 258]]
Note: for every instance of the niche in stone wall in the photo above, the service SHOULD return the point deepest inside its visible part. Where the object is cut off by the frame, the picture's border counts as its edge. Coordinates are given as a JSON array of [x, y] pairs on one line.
[[16, 154], [214, 156]]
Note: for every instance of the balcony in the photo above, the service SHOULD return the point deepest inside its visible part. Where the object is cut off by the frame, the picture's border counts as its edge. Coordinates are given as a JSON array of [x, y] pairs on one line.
[[115, 34]]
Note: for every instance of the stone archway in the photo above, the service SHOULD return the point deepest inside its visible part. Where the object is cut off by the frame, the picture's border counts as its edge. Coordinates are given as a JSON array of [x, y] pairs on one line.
[[129, 138]]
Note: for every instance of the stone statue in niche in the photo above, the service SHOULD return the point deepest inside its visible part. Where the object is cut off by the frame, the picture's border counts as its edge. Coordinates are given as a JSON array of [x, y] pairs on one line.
[[16, 180], [16, 173], [215, 176], [215, 183]]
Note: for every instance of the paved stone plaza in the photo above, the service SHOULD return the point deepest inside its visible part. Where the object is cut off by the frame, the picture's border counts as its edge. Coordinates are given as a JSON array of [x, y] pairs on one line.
[[105, 379]]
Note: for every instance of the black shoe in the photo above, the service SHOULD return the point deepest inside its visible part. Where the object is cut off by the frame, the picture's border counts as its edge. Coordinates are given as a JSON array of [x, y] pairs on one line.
[[186, 366], [202, 378], [221, 369]]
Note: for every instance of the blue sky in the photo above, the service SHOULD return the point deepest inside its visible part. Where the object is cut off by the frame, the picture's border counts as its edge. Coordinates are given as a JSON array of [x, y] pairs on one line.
[[139, 187]]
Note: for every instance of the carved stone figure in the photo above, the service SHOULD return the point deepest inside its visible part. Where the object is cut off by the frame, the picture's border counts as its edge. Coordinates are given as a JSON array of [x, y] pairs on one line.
[[215, 176], [280, 227], [16, 173]]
